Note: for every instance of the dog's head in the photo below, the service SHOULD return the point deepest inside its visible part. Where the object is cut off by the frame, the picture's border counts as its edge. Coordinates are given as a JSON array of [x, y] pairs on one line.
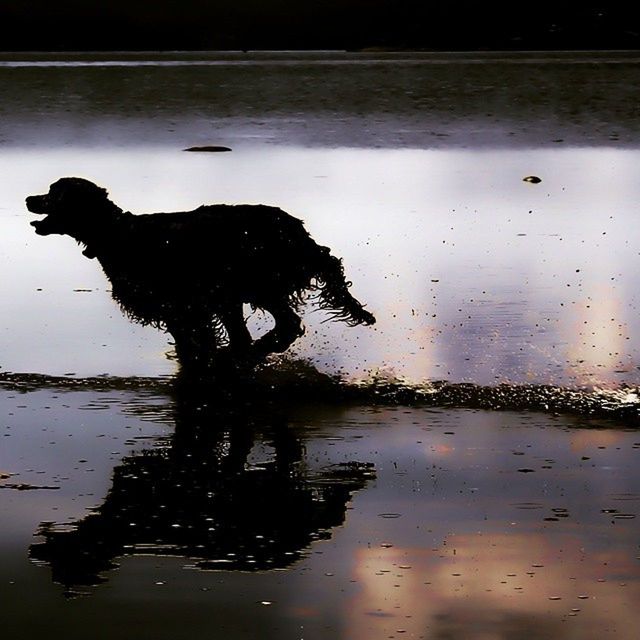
[[67, 206]]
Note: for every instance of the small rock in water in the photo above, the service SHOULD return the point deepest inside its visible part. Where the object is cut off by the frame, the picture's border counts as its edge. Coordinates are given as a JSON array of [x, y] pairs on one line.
[[209, 148], [532, 179], [26, 487]]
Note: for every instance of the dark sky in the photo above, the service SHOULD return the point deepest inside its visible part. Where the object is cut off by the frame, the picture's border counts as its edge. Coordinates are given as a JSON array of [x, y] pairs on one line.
[[322, 24]]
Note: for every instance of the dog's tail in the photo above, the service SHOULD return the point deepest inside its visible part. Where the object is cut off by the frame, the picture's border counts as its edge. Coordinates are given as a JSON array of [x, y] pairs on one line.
[[334, 292]]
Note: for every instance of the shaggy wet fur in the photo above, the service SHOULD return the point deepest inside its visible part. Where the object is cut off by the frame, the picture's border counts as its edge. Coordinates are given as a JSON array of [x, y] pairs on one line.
[[189, 273]]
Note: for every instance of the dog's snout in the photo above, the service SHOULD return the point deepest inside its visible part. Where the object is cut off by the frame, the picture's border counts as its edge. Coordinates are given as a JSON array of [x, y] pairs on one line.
[[37, 204]]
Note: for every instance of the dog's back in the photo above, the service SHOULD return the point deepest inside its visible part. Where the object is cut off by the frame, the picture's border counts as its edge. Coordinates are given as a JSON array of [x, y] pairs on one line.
[[220, 232], [214, 254]]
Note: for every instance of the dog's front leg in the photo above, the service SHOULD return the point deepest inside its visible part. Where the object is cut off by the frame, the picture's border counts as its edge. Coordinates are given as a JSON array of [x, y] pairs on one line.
[[194, 344], [233, 320]]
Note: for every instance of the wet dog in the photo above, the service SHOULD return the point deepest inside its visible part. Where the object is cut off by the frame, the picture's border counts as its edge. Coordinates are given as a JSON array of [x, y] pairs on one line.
[[189, 273]]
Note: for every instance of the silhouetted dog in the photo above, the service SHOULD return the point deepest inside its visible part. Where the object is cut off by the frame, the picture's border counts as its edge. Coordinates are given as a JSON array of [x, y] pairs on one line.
[[189, 273]]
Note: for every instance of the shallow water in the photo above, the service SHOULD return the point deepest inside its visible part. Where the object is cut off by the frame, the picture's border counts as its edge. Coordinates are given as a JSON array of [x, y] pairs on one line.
[[361, 511], [308, 521], [416, 100]]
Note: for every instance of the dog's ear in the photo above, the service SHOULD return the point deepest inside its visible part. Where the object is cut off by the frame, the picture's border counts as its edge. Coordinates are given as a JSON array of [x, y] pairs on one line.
[[97, 193]]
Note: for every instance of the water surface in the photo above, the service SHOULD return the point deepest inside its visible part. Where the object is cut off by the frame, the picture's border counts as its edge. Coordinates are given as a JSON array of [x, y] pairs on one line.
[[354, 522], [472, 273], [364, 511]]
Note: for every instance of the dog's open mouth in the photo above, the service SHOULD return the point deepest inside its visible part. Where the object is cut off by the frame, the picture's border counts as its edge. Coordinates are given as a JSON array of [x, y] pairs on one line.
[[40, 206], [41, 227]]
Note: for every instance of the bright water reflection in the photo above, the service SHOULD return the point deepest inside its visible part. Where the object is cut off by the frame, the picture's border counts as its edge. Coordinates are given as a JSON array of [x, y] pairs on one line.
[[473, 274]]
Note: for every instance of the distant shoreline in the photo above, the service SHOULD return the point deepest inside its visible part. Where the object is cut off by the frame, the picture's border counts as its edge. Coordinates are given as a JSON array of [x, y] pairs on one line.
[[365, 51]]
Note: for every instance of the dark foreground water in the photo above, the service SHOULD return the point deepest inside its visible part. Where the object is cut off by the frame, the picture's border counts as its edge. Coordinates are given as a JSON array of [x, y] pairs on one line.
[[173, 514], [475, 473]]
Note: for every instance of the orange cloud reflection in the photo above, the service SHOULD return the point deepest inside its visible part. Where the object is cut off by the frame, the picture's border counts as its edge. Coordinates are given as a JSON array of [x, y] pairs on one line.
[[481, 587]]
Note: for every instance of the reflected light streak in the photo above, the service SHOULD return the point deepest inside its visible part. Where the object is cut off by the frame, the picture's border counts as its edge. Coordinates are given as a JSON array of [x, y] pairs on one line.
[[494, 586], [596, 339]]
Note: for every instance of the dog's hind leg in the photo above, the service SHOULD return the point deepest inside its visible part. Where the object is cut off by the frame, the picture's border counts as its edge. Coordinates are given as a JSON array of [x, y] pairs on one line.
[[287, 329]]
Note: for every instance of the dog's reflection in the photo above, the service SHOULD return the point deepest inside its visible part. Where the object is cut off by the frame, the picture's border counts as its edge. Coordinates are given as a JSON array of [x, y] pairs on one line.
[[230, 490]]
